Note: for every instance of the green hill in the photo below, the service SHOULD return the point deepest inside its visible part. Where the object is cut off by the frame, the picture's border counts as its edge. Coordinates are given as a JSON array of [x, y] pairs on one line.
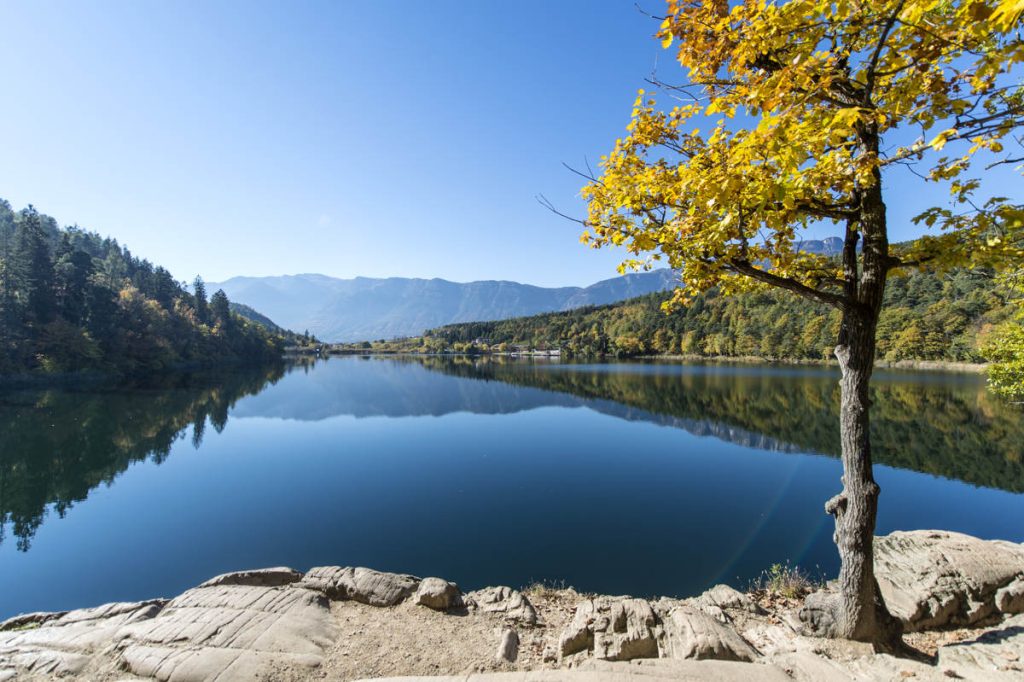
[[73, 301], [928, 316]]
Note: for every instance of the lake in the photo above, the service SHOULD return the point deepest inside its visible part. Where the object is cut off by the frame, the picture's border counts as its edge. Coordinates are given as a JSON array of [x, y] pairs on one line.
[[640, 478]]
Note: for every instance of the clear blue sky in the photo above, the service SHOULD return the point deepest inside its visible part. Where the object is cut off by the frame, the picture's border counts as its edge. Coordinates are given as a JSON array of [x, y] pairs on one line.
[[348, 138]]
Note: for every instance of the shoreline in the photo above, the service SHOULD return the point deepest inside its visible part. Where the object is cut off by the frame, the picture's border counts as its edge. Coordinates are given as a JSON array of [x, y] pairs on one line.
[[962, 618], [910, 365]]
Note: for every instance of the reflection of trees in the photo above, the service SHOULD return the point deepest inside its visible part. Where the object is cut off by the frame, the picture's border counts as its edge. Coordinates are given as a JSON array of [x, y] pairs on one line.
[[948, 428], [57, 445]]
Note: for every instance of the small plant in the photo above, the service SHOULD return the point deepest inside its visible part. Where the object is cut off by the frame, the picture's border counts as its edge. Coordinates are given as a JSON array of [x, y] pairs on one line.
[[545, 588], [784, 580]]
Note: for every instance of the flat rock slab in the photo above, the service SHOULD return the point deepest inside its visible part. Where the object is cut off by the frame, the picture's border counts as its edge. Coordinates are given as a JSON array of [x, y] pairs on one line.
[[65, 644], [932, 579], [363, 585], [229, 632]]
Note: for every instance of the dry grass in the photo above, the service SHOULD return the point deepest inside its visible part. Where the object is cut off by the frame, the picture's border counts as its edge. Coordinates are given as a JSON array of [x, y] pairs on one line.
[[783, 580]]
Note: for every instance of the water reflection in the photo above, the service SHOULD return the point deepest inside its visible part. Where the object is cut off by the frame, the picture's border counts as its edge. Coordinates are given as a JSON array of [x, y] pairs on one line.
[[942, 424], [57, 445], [620, 478]]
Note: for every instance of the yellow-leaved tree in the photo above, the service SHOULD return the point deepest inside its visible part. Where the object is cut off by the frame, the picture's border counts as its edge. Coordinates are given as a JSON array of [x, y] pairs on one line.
[[790, 114]]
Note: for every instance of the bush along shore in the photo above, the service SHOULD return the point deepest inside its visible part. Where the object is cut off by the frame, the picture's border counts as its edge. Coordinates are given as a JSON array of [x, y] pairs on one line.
[[960, 601]]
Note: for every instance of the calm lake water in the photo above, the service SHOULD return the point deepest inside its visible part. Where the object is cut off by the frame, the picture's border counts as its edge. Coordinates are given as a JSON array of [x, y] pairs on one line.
[[620, 478]]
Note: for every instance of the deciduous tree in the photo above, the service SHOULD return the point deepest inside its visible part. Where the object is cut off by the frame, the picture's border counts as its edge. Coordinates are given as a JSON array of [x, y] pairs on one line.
[[790, 115]]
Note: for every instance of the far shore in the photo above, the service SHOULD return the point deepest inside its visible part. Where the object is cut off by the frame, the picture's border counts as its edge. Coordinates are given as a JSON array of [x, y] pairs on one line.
[[922, 365]]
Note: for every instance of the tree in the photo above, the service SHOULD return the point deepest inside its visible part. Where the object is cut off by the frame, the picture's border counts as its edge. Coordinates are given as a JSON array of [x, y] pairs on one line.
[[32, 267], [806, 104], [199, 293], [220, 309], [1006, 349], [72, 270]]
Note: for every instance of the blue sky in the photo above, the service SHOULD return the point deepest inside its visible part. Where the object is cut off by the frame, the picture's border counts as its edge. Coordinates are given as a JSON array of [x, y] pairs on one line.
[[349, 138]]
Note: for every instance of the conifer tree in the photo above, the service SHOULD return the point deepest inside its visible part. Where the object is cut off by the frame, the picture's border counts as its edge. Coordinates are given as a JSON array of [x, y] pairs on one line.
[[220, 308], [32, 268]]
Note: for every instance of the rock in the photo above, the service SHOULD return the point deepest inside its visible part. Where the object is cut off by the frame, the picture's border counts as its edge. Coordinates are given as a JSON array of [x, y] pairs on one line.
[[1010, 599], [508, 647], [613, 629], [725, 597], [28, 620], [438, 594], [229, 632], [997, 650], [512, 604], [695, 634], [363, 585], [936, 578], [264, 577], [64, 643]]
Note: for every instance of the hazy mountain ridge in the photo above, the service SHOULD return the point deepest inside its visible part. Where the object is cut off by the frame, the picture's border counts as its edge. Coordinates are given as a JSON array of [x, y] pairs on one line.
[[369, 308]]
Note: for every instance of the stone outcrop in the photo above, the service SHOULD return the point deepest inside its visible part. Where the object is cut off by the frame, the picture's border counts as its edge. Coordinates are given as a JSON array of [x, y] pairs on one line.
[[65, 645], [694, 634], [438, 594], [510, 604], [363, 585], [234, 631], [932, 579], [612, 630], [624, 629], [724, 597]]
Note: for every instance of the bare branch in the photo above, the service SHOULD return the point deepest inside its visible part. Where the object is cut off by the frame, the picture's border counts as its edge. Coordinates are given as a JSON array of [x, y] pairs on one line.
[[546, 203]]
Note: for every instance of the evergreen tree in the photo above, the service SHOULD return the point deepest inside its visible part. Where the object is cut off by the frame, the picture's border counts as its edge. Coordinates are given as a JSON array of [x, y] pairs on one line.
[[72, 269], [10, 317], [199, 293], [32, 268], [221, 309]]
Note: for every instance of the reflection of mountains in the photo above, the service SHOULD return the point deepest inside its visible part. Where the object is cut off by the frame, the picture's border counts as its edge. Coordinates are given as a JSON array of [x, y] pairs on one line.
[[56, 446], [404, 388], [950, 428], [942, 425]]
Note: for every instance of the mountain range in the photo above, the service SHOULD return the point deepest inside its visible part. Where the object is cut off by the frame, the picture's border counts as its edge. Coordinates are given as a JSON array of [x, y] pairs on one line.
[[366, 308]]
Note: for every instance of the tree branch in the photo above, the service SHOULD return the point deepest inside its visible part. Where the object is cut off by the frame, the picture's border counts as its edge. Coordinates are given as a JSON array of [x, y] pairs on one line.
[[869, 82], [746, 268]]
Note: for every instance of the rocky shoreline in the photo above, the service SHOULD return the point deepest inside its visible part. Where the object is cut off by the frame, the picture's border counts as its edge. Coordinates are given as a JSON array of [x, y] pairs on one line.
[[961, 600]]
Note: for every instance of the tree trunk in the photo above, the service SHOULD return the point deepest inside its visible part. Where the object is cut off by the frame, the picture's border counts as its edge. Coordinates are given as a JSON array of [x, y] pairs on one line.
[[857, 611]]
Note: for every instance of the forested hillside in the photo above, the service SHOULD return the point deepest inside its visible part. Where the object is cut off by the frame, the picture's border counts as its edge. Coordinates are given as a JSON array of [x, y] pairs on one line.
[[927, 316], [71, 300]]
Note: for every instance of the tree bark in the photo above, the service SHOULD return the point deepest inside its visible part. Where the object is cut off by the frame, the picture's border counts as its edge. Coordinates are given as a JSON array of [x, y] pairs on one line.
[[857, 611]]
